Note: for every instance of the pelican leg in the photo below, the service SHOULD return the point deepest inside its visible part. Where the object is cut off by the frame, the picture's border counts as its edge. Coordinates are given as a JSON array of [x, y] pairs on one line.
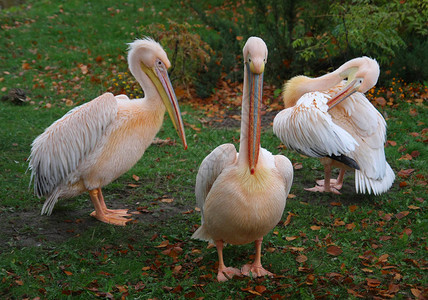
[[102, 215], [119, 212], [256, 269], [335, 183], [327, 185], [224, 273]]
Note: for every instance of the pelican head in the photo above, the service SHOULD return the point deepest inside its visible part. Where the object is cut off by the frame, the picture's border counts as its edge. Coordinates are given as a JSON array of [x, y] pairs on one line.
[[361, 74], [255, 57], [153, 61]]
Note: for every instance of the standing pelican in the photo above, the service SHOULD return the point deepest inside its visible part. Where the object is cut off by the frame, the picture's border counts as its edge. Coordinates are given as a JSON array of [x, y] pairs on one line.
[[95, 143], [346, 134], [242, 195]]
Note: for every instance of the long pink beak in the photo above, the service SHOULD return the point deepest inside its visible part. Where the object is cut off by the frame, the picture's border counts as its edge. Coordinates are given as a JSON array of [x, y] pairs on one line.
[[344, 93], [254, 126]]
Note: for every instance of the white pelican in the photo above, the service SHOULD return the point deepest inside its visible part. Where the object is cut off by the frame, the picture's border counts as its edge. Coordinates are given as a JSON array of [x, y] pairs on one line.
[[95, 143], [347, 134], [242, 195]]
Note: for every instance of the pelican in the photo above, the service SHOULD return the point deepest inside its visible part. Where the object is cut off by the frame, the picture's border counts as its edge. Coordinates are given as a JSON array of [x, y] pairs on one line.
[[95, 143], [242, 195], [346, 134]]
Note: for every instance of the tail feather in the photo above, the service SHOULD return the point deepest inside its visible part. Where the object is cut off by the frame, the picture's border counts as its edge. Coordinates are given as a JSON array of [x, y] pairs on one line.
[[201, 234], [364, 184], [50, 202]]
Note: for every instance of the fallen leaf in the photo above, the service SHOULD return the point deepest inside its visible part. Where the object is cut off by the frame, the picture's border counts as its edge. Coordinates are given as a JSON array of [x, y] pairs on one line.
[[301, 258], [417, 293], [334, 250], [288, 220], [407, 156], [260, 289], [350, 226], [291, 238], [136, 178], [315, 227], [291, 196], [392, 143], [372, 282], [353, 208], [26, 66], [167, 200], [68, 273], [163, 244], [383, 257], [402, 214], [415, 154], [405, 173], [335, 204], [297, 166], [413, 207]]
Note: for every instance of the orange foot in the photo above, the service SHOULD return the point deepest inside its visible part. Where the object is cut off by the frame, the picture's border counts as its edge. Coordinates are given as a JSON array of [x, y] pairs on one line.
[[254, 271], [227, 273], [115, 217]]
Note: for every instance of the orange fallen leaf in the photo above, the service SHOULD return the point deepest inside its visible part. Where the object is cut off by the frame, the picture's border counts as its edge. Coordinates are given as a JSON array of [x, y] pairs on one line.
[[353, 208], [136, 178], [350, 226], [291, 238], [335, 204], [315, 227], [260, 289], [417, 293], [405, 173], [407, 156], [288, 220], [392, 143], [413, 207], [68, 273], [291, 196], [297, 166]]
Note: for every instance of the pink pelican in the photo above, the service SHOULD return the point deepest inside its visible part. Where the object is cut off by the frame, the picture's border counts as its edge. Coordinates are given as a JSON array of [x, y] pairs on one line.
[[242, 195], [346, 134], [95, 143]]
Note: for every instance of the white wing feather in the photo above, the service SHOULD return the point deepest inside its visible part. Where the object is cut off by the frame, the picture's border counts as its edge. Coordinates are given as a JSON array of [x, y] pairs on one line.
[[285, 168], [308, 128], [211, 167], [58, 151]]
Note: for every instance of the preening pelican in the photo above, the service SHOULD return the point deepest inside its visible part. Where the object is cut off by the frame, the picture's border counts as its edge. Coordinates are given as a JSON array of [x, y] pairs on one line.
[[347, 134], [242, 195], [95, 143]]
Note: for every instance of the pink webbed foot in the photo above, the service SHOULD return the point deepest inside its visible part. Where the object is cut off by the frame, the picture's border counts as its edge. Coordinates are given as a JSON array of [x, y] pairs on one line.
[[322, 189], [253, 270], [225, 274], [333, 183]]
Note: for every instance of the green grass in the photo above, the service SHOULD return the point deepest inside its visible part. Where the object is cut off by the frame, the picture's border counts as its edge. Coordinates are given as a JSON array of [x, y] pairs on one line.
[[70, 255]]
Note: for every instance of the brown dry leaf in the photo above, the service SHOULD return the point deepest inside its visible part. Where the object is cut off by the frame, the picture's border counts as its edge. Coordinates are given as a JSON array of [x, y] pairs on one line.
[[133, 185], [136, 178], [145, 268], [19, 282], [405, 173], [297, 166], [381, 101], [402, 214], [373, 282], [355, 293], [122, 288], [350, 226], [291, 196], [83, 69], [335, 203], [407, 156], [301, 258], [413, 207], [383, 257], [315, 227], [353, 208], [167, 200], [177, 269], [163, 244], [239, 38], [417, 293], [288, 220], [367, 270], [26, 66], [415, 154], [403, 184], [260, 289], [334, 250], [68, 273], [291, 238], [392, 143]]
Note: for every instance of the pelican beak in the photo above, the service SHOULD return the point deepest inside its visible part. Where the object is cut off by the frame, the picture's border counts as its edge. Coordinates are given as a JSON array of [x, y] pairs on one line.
[[255, 76], [159, 76], [350, 88]]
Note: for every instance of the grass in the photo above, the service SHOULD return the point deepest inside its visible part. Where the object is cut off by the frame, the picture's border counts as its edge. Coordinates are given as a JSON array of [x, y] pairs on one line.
[[68, 254]]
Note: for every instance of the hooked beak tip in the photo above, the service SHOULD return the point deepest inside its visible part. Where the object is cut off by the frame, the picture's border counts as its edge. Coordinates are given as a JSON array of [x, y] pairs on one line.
[[252, 171]]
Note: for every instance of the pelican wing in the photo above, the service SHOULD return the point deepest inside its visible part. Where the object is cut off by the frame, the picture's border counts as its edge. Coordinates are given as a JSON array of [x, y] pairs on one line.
[[309, 129], [361, 119], [58, 151], [285, 168], [211, 167]]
